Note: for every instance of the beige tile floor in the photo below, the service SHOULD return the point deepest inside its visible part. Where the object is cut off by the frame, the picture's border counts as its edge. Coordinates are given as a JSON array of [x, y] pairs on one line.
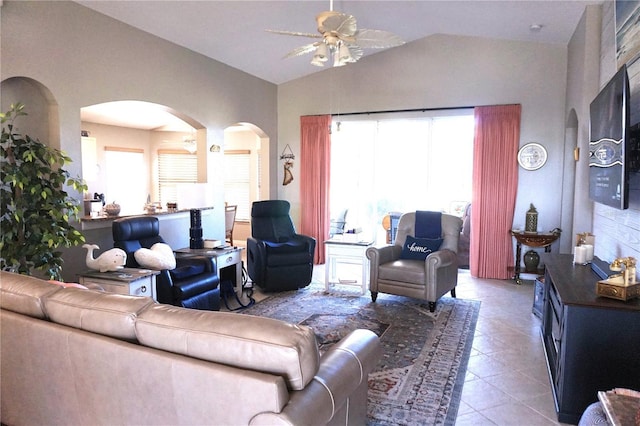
[[507, 381]]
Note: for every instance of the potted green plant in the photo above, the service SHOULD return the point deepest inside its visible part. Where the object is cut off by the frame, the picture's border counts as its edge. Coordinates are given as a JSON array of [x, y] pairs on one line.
[[35, 210]]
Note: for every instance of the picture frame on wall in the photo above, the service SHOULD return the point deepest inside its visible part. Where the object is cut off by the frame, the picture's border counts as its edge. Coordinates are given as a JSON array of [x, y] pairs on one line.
[[627, 14]]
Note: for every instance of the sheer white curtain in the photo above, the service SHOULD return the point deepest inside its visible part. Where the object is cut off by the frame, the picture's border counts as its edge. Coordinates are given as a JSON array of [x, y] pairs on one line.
[[400, 164]]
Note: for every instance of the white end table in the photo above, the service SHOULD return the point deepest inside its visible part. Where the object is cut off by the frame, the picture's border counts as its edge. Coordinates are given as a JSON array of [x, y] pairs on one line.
[[339, 251], [136, 282]]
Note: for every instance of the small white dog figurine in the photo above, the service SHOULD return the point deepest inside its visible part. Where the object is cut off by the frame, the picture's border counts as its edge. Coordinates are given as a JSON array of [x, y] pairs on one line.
[[110, 260]]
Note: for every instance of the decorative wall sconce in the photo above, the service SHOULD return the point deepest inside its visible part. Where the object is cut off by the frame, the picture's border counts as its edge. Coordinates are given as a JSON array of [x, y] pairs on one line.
[[288, 157], [214, 148]]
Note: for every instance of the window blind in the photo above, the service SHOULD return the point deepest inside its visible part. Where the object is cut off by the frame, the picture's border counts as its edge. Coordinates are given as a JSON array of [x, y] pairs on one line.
[[237, 185], [174, 167]]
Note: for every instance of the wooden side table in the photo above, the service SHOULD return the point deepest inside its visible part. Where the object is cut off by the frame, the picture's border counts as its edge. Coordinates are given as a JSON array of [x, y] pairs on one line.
[[529, 239], [136, 282], [622, 406], [337, 251]]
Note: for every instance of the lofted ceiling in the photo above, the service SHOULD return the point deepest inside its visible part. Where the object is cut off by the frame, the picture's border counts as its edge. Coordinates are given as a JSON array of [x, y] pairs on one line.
[[233, 32]]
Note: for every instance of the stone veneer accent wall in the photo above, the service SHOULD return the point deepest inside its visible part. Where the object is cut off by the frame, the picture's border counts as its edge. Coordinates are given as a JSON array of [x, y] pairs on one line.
[[617, 231]]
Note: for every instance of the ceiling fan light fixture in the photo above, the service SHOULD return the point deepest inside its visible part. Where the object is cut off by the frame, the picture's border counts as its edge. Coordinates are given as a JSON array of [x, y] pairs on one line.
[[344, 54], [321, 53], [340, 38]]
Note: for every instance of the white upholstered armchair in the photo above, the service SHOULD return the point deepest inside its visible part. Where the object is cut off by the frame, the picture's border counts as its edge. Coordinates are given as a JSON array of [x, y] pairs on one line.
[[396, 269]]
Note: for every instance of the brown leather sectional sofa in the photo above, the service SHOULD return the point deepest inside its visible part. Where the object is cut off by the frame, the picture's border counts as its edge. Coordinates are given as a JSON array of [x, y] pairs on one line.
[[80, 356]]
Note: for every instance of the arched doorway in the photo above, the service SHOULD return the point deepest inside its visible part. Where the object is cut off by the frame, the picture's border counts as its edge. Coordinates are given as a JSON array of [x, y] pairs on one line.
[[247, 165], [40, 105], [159, 147], [571, 155]]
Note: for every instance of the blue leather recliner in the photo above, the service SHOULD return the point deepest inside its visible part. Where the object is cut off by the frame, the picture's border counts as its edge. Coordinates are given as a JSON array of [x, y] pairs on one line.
[[278, 258], [194, 283]]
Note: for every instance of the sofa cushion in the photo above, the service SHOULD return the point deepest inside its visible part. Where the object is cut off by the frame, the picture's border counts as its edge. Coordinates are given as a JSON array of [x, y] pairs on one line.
[[403, 271], [242, 341], [23, 294], [109, 314], [419, 248]]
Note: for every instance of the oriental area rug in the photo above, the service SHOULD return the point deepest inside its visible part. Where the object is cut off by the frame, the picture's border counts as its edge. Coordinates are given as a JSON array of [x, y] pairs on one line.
[[419, 379]]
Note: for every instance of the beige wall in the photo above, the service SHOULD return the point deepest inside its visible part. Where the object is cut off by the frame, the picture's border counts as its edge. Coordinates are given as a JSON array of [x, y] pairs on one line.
[[447, 71], [83, 58], [120, 137], [554, 84], [582, 87], [147, 140]]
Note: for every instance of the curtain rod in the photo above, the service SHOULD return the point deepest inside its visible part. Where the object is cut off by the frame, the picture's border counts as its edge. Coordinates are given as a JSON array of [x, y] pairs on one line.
[[400, 110]]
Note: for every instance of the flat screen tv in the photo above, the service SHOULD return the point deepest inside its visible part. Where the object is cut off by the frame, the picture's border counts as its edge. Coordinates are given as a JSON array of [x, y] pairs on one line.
[[609, 143]]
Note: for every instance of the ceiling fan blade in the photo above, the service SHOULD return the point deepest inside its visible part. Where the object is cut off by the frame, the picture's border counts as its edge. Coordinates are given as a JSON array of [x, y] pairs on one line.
[[302, 50], [377, 39], [355, 51], [295, 33], [340, 23]]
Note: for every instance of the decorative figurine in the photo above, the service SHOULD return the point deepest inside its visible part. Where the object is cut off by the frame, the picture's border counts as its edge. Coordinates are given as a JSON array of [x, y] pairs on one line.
[[110, 260], [531, 223]]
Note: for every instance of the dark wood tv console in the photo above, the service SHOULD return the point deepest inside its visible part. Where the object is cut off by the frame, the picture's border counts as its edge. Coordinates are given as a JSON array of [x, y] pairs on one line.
[[591, 343]]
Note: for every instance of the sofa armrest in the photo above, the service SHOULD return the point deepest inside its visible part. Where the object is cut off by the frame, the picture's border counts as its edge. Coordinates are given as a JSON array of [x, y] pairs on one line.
[[256, 258], [441, 270], [339, 387], [209, 262], [310, 241], [164, 285], [384, 254], [378, 256], [165, 280], [440, 259]]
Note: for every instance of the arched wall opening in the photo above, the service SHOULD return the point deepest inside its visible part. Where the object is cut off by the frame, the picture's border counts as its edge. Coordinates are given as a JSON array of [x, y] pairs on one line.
[[246, 145], [42, 121], [571, 155], [145, 132]]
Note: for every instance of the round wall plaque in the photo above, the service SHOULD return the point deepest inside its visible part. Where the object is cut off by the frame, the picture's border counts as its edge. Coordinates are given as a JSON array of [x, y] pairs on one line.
[[532, 156]]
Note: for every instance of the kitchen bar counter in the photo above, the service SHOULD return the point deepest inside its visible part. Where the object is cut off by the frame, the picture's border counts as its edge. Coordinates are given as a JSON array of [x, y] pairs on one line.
[[88, 222]]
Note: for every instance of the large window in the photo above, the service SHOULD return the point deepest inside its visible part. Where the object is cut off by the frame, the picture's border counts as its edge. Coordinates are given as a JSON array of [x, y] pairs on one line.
[[175, 167], [128, 178], [398, 164], [237, 183]]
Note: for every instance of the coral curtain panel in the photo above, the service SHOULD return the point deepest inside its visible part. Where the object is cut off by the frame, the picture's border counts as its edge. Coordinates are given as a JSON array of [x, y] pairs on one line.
[[315, 160], [495, 185]]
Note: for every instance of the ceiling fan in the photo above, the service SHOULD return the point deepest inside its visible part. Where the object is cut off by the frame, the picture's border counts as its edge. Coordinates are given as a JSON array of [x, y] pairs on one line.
[[341, 38]]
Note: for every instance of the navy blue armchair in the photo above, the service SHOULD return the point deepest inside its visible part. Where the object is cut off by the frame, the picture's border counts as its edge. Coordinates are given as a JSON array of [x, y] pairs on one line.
[[278, 258]]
